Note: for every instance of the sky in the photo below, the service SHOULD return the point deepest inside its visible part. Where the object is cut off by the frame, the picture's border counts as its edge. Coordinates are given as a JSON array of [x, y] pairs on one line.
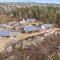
[[38, 1]]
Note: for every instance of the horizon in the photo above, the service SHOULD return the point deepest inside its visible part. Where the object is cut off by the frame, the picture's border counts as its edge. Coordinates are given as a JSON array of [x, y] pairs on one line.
[[35, 1]]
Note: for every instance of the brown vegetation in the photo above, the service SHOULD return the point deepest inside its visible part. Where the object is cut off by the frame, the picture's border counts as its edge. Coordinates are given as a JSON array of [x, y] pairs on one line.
[[5, 18], [49, 49]]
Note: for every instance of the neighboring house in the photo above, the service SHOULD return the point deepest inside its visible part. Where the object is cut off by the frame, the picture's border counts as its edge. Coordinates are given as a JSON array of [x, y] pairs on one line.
[[30, 28], [5, 33], [18, 28], [15, 33], [8, 33], [31, 20], [28, 20], [46, 26], [18, 24], [9, 27], [23, 21], [2, 25], [6, 26], [12, 24]]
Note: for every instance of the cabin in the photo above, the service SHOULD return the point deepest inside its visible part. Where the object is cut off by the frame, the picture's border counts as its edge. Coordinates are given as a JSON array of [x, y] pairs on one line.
[[47, 26], [30, 28]]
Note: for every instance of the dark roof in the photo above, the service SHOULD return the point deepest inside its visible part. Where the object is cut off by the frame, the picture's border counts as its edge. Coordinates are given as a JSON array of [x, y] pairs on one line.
[[31, 28]]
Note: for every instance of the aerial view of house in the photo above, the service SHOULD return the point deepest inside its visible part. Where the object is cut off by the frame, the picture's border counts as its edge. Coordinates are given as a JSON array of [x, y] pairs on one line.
[[29, 29]]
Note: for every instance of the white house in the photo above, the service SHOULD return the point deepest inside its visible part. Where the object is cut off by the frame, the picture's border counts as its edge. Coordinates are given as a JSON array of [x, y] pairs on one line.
[[23, 21], [28, 20], [46, 26]]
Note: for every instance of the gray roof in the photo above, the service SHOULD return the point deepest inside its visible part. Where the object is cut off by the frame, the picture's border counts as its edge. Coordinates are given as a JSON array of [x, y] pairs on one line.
[[31, 19], [47, 25], [31, 28], [18, 24], [4, 33]]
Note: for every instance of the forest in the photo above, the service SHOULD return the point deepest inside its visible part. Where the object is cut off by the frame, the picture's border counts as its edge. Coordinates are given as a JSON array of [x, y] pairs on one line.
[[48, 14]]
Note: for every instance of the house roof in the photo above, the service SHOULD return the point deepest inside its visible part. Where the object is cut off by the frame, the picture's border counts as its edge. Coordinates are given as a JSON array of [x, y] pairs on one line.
[[31, 19], [4, 33], [18, 24], [30, 28], [47, 25], [4, 24]]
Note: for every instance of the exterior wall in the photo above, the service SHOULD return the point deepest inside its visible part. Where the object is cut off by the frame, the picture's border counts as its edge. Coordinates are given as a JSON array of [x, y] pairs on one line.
[[25, 30], [23, 21], [47, 26], [43, 27]]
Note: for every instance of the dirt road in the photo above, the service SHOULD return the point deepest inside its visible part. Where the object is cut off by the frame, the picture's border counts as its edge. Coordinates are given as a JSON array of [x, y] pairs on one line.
[[4, 41]]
